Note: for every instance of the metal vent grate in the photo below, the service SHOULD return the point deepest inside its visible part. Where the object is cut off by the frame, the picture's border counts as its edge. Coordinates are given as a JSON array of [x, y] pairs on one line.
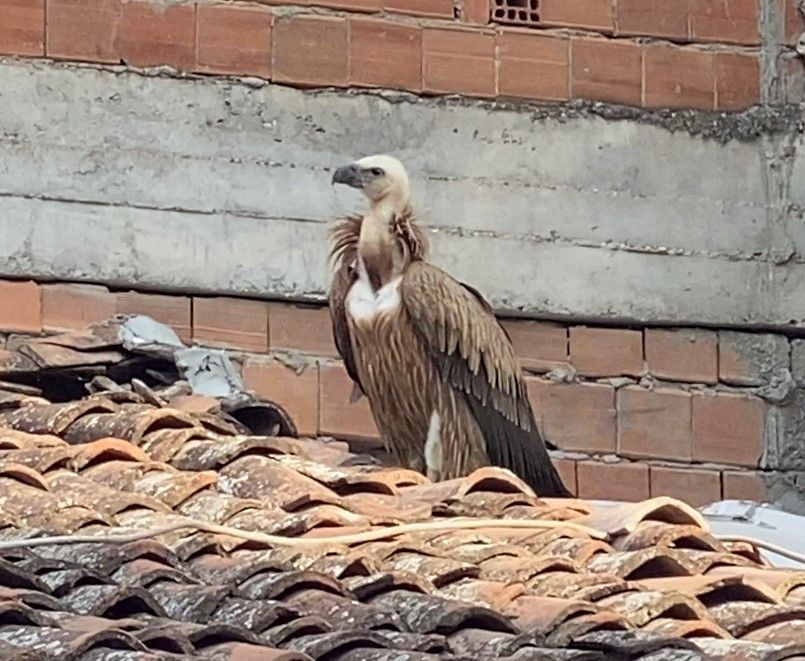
[[516, 12]]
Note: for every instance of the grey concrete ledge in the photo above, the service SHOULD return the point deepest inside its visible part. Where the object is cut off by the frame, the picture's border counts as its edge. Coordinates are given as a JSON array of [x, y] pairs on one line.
[[209, 185]]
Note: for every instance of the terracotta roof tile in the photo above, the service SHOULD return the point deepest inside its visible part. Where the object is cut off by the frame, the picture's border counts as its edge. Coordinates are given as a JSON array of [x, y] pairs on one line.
[[643, 580]]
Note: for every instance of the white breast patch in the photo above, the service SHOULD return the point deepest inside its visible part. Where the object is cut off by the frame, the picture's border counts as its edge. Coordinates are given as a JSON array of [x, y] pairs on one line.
[[433, 448], [364, 304]]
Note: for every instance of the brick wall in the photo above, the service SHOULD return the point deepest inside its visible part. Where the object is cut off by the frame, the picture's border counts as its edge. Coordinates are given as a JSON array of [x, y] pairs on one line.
[[702, 54], [635, 412]]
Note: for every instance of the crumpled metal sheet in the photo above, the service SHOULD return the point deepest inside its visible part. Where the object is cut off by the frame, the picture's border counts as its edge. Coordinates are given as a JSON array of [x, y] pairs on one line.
[[209, 372], [142, 334]]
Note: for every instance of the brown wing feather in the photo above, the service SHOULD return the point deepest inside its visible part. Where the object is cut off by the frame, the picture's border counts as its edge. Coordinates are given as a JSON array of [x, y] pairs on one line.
[[344, 233], [475, 356]]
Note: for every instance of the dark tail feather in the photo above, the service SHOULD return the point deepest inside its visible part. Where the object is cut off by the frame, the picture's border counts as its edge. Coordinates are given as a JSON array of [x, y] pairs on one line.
[[522, 452]]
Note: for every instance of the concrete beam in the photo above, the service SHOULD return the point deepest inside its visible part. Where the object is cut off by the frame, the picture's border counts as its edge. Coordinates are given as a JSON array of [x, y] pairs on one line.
[[549, 214]]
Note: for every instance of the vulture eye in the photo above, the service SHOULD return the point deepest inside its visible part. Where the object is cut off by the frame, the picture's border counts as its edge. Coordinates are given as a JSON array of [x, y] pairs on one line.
[[377, 172]]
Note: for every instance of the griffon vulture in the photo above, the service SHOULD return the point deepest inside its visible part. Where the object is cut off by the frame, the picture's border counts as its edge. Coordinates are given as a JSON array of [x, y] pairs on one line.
[[443, 383]]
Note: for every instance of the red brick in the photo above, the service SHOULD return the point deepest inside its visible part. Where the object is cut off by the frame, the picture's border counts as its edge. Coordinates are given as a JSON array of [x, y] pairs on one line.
[[458, 61], [654, 423], [728, 429], [575, 417], [339, 418], [682, 354], [436, 8], [794, 22], [73, 307], [348, 5], [173, 311], [606, 351], [692, 486], [731, 21], [234, 39], [751, 359], [475, 11], [678, 78], [744, 485], [152, 35], [310, 50], [567, 471], [622, 481], [540, 346], [592, 14], [606, 70], [385, 54], [20, 306], [737, 80], [656, 18], [83, 30], [298, 394], [300, 328], [22, 27], [533, 66], [231, 322]]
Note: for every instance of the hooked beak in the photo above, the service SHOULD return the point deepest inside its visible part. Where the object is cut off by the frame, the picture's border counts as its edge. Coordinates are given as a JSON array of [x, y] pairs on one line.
[[349, 175]]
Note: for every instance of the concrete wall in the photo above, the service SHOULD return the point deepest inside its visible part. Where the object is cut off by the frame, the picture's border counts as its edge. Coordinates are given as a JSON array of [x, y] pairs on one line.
[[628, 219]]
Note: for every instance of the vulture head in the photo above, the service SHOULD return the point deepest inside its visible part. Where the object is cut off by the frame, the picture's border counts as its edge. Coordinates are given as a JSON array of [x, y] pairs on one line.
[[380, 178]]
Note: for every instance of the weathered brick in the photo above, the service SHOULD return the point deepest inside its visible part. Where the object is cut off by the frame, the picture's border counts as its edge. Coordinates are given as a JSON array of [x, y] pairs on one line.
[[784, 447], [654, 423], [798, 362], [385, 54], [476, 12], [458, 61], [22, 27], [83, 30], [622, 481], [591, 14], [682, 354], [793, 68], [607, 70], [339, 418], [678, 78], [728, 428], [20, 306], [737, 80], [73, 306], [656, 18], [310, 50], [730, 21], [693, 486], [234, 39], [751, 359], [606, 351], [533, 66], [349, 5], [173, 311], [540, 346], [152, 35], [794, 22], [301, 328], [298, 394], [236, 323], [435, 8], [576, 417], [744, 485], [567, 471]]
